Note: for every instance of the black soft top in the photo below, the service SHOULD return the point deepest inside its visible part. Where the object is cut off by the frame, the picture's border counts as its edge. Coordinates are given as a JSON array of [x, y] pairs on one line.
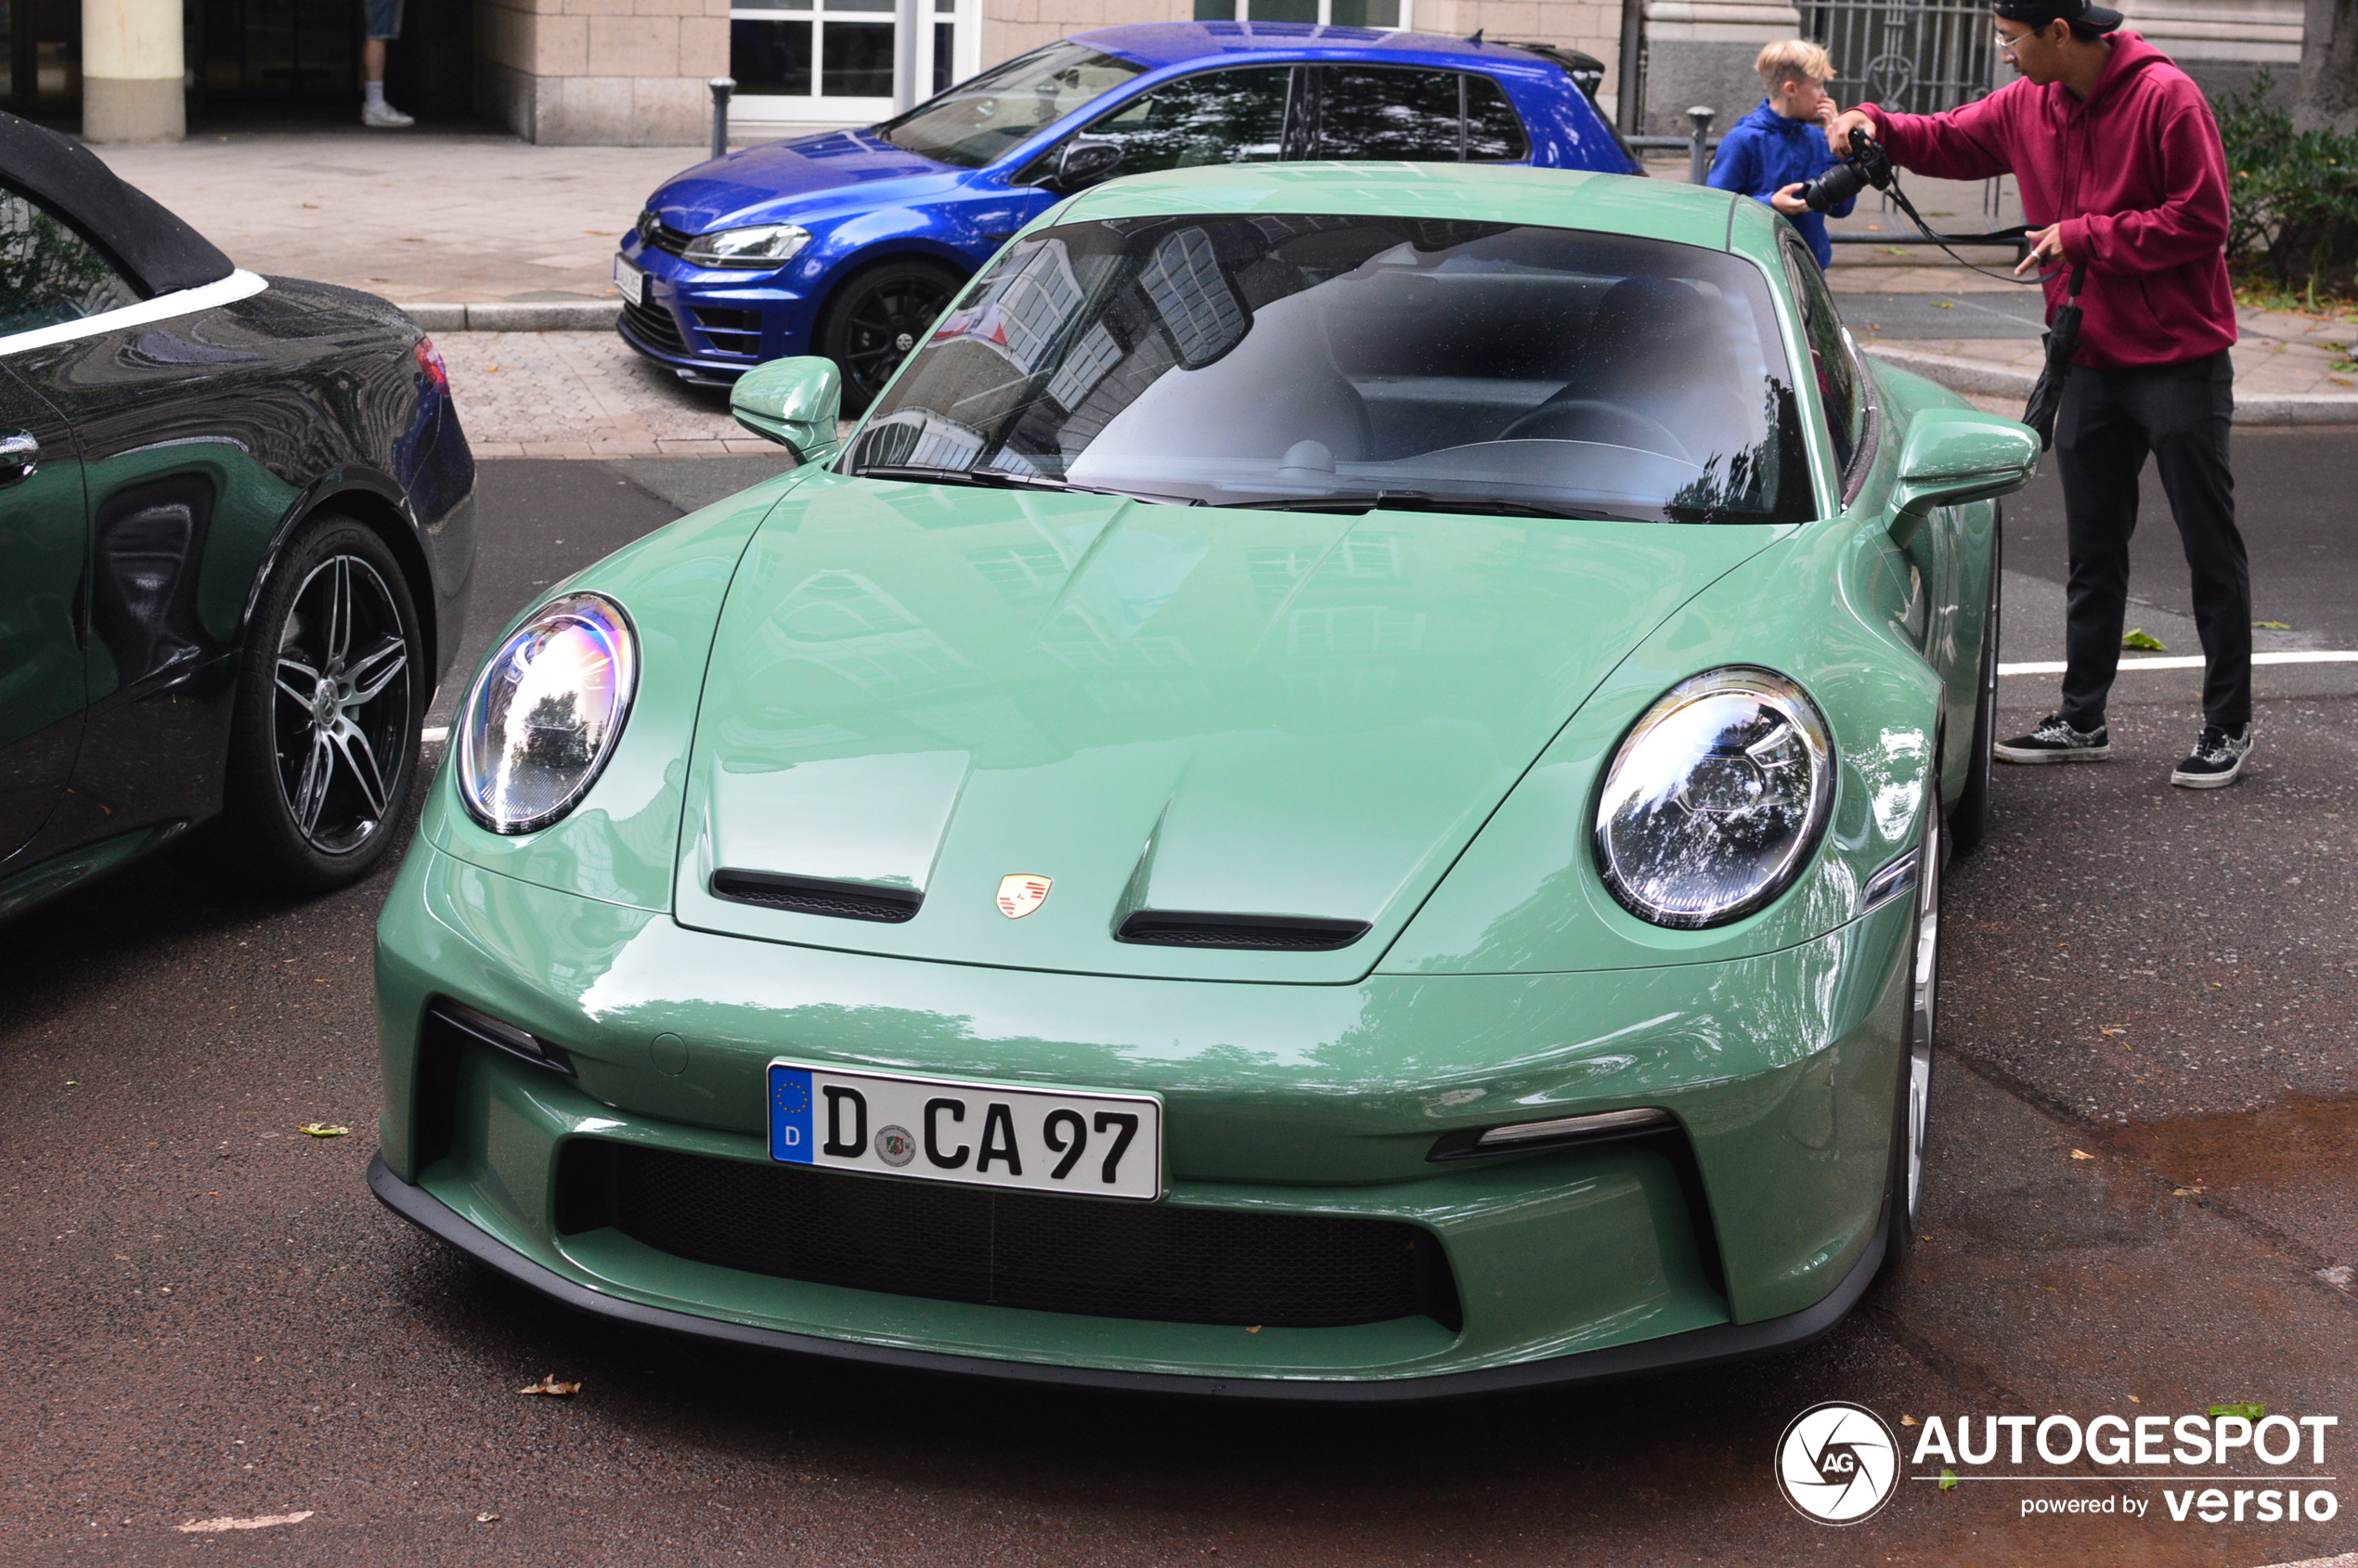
[[159, 251]]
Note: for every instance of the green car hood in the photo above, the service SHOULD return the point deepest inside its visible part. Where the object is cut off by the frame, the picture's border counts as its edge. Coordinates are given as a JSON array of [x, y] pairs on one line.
[[926, 688]]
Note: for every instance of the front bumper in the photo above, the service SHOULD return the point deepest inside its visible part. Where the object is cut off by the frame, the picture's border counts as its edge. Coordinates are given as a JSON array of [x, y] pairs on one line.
[[714, 326], [1317, 1100]]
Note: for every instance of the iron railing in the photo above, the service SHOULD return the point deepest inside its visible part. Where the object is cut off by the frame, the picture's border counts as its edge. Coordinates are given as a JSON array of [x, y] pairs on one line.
[[1919, 57]]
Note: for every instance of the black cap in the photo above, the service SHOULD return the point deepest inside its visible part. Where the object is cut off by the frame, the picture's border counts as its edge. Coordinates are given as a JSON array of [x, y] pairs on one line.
[[2083, 17]]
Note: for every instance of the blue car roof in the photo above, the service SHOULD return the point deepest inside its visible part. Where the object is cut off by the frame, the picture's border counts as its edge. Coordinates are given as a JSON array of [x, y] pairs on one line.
[[1154, 45]]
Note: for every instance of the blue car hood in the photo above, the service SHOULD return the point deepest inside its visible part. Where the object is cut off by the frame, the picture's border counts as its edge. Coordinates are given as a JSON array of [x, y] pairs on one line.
[[747, 185]]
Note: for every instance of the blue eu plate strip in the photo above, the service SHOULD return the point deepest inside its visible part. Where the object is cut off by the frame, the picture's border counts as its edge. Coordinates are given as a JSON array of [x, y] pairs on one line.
[[790, 1114]]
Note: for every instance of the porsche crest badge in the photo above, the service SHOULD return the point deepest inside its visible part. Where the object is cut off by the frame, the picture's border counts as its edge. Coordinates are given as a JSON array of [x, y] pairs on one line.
[[1020, 893]]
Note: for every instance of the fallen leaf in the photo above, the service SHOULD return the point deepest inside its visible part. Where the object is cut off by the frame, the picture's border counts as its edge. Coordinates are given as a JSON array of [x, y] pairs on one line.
[[486, 1519], [2134, 1400], [1947, 1480], [323, 1130], [2249, 1412], [1909, 1422], [1253, 1329], [2183, 1191], [2270, 626], [2081, 1154], [2108, 1031], [1944, 304], [549, 1384], [2137, 637], [259, 1522]]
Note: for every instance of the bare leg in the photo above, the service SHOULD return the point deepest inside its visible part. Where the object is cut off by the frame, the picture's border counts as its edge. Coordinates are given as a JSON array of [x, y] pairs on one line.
[[372, 60]]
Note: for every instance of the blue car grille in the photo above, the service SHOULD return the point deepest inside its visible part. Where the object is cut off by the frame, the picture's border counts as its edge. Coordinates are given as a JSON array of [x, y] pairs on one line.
[[656, 235], [1154, 1262]]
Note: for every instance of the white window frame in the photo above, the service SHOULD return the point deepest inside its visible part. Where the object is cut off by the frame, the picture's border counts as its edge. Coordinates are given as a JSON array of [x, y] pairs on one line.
[[816, 108], [1326, 16]]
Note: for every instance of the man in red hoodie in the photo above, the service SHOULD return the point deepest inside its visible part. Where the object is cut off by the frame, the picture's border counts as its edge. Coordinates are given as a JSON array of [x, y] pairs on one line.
[[2121, 171]]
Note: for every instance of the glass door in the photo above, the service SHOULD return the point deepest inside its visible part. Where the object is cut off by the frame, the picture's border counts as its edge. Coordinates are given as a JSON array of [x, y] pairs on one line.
[[830, 61]]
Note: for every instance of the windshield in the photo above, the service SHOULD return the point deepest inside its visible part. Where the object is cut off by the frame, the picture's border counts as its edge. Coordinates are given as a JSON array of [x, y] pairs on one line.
[[1345, 362], [982, 118]]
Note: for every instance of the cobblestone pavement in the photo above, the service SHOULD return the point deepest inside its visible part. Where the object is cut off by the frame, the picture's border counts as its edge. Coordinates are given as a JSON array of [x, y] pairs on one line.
[[582, 394]]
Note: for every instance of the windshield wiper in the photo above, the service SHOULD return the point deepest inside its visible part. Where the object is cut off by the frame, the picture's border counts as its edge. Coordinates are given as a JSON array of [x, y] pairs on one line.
[[1001, 479], [1424, 501]]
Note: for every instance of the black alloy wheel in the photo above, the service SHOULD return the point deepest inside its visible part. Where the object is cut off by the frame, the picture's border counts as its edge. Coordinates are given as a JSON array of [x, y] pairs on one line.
[[1969, 824], [877, 319], [328, 701], [1911, 1115]]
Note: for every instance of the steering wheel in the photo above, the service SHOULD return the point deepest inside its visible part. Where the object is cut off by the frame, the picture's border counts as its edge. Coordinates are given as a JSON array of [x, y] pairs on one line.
[[1592, 418]]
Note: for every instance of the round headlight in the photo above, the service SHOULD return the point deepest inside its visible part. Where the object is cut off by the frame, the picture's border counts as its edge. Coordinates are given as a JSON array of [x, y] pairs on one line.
[[1715, 800], [545, 712], [767, 244]]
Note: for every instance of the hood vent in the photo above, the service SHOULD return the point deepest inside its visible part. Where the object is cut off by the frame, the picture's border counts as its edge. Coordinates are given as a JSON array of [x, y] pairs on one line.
[[1257, 933], [815, 895]]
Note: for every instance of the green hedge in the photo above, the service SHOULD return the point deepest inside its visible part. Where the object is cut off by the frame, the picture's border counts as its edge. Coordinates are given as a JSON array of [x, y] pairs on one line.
[[2292, 196]]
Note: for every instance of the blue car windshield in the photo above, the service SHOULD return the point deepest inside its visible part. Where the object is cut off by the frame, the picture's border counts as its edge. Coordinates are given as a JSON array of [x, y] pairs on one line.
[[986, 116], [1331, 363]]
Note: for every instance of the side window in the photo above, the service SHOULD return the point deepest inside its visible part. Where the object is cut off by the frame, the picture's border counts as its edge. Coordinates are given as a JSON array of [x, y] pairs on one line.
[[1379, 113], [49, 273], [1218, 117], [1829, 356], [1493, 133]]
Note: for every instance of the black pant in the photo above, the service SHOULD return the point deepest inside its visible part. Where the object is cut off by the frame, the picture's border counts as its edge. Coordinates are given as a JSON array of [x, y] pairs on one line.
[[2109, 420]]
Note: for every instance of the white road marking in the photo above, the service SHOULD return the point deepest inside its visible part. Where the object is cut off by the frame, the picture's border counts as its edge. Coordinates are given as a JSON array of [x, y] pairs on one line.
[[263, 1522], [2290, 655]]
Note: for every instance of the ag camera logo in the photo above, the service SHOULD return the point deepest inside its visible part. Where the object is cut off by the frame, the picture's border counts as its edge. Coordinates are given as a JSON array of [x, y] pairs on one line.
[[1837, 1463]]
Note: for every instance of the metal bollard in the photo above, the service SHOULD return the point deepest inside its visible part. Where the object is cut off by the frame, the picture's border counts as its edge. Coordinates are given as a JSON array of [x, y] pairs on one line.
[[721, 87], [1699, 143]]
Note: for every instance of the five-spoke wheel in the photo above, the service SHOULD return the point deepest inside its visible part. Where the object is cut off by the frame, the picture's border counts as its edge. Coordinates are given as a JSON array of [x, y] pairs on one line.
[[334, 684], [876, 319]]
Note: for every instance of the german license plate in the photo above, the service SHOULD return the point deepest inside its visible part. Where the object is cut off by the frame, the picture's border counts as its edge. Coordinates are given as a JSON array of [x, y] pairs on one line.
[[980, 1134], [629, 280]]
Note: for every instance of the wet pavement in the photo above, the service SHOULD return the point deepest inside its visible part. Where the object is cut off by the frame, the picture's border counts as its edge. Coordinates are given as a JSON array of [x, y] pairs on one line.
[[2140, 1204]]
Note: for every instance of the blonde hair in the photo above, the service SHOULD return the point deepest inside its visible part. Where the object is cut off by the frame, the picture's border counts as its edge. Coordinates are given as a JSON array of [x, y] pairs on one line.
[[1793, 59]]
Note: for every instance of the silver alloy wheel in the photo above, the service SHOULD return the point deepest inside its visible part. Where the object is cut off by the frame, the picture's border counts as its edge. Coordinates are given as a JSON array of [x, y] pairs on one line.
[[1924, 1003], [341, 711]]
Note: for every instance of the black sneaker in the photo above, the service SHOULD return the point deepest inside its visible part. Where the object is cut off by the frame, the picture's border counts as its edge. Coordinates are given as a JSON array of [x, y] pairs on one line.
[[2217, 759], [2055, 740]]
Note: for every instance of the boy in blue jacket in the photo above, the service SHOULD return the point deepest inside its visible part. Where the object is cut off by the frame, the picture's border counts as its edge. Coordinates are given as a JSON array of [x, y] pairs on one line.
[[1783, 141]]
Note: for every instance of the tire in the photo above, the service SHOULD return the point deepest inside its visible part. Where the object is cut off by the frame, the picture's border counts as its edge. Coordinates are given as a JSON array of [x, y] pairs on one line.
[[876, 318], [1903, 1185], [1969, 824], [324, 746]]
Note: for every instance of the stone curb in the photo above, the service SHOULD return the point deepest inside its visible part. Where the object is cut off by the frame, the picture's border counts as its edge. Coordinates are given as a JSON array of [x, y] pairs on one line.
[[518, 316], [2004, 380]]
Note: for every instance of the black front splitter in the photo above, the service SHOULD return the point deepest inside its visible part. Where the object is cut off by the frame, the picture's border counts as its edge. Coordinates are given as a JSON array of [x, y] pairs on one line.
[[1695, 1348]]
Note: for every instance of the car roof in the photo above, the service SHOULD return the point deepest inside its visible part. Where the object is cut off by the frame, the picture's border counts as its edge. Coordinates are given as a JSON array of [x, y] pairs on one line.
[[1686, 214], [1154, 45], [140, 235]]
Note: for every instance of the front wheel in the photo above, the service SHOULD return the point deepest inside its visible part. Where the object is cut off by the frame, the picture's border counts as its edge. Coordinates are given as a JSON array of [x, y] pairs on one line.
[[325, 742], [877, 319], [1903, 1203]]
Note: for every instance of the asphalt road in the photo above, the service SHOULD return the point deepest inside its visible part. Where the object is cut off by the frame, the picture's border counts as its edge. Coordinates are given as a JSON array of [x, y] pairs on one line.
[[203, 1313]]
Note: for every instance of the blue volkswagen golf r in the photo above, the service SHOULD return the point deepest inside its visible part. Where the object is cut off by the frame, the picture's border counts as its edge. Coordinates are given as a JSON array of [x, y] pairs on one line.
[[849, 244]]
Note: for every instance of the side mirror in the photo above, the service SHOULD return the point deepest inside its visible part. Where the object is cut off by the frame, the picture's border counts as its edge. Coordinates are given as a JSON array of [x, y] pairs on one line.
[[795, 402], [1084, 162], [1954, 456]]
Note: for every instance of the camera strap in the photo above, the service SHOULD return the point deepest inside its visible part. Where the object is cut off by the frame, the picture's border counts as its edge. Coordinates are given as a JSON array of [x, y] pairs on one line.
[[1999, 237]]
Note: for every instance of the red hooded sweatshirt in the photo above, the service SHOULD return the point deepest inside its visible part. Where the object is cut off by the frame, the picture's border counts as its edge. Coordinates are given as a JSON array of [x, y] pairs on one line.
[[2139, 179]]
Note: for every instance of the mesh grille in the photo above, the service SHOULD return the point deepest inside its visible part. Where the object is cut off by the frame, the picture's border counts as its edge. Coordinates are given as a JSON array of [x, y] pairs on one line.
[[810, 895], [970, 1244], [653, 324], [1267, 933]]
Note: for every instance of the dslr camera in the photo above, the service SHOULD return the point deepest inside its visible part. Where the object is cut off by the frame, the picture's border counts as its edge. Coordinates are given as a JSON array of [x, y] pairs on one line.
[[1867, 163]]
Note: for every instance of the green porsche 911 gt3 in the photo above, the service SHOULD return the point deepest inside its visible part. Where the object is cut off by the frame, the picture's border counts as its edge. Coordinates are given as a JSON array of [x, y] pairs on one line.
[[1340, 794]]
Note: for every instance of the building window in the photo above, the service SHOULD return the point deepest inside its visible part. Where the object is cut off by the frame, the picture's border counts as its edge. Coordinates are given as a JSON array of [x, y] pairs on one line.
[[831, 60], [1392, 15]]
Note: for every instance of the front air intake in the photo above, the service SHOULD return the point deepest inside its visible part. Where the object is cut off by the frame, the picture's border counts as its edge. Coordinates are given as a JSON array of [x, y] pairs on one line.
[[1253, 933], [815, 895]]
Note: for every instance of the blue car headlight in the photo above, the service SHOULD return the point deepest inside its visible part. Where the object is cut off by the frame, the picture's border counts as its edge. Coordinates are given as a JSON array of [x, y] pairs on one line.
[[545, 713], [762, 245], [1715, 800]]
